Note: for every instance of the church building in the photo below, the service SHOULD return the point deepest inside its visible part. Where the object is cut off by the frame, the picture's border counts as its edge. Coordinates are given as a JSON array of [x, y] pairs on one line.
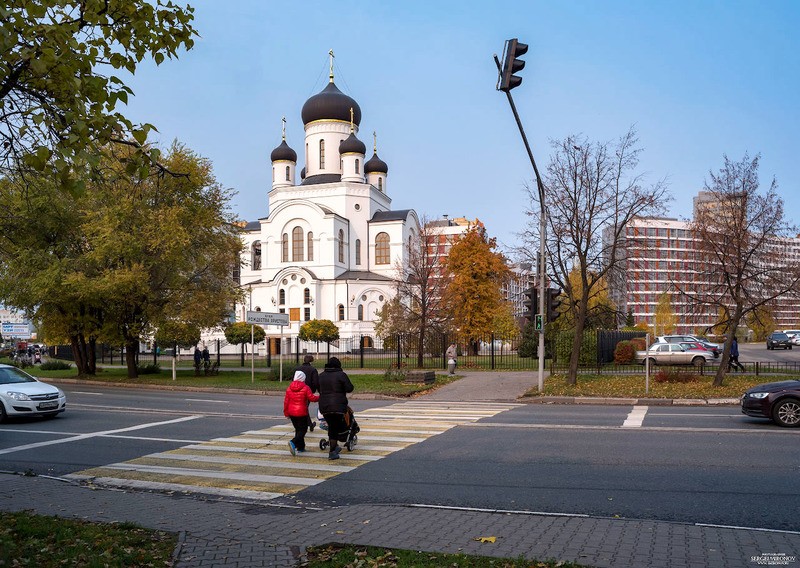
[[331, 244]]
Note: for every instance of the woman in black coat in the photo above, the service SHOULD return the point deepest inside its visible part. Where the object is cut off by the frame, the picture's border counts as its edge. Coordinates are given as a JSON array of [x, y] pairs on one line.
[[334, 384]]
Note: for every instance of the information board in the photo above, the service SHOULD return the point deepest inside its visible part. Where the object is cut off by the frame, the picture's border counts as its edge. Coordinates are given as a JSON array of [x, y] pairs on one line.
[[267, 318]]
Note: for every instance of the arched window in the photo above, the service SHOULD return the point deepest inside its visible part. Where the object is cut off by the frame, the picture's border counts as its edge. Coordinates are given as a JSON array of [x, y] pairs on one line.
[[273, 173], [360, 312], [306, 296], [285, 248], [357, 165], [281, 297], [287, 174], [358, 251], [341, 245], [310, 247], [380, 184], [341, 312], [322, 154], [255, 259], [382, 248], [297, 244]]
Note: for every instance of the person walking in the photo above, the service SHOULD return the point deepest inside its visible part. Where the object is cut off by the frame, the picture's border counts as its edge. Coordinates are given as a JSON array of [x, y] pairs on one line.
[[334, 385], [206, 359], [734, 356], [312, 382], [451, 354], [198, 357], [295, 408]]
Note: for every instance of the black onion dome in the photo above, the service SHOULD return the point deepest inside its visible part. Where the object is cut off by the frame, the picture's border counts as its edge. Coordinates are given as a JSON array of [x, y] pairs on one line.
[[283, 153], [352, 145], [375, 165], [303, 173], [331, 104]]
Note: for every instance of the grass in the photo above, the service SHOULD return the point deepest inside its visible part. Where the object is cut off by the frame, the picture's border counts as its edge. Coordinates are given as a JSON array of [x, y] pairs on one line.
[[43, 542], [348, 556]]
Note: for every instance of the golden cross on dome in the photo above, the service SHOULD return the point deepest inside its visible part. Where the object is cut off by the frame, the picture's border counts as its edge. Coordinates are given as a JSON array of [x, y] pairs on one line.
[[352, 128], [332, 56], [374, 142], [283, 120]]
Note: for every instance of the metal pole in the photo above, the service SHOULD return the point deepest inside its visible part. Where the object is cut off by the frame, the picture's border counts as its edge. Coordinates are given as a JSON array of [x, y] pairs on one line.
[[252, 354], [280, 356]]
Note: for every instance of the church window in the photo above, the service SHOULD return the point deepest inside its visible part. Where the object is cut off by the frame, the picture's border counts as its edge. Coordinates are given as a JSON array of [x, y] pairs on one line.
[[297, 244], [256, 256], [322, 154], [341, 312], [307, 314], [358, 252], [382, 248], [357, 165], [310, 247], [341, 245], [281, 297], [306, 296], [380, 184], [273, 173], [285, 248], [287, 174], [360, 312]]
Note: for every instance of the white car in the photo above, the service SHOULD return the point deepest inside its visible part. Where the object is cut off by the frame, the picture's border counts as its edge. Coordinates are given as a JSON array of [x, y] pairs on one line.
[[24, 395]]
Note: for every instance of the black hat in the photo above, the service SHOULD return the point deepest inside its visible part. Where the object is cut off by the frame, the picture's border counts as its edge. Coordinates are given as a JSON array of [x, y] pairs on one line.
[[334, 363]]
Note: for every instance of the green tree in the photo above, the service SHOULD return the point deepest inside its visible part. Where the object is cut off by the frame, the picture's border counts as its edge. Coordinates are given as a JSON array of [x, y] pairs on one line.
[[630, 322], [319, 330], [474, 293], [240, 333], [61, 77]]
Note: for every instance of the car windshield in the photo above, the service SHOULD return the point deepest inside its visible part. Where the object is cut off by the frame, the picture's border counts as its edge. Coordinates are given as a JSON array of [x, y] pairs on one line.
[[779, 336], [10, 375]]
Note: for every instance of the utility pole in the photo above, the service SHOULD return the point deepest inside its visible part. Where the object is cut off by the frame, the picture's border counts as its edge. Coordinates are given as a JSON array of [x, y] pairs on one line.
[[512, 50]]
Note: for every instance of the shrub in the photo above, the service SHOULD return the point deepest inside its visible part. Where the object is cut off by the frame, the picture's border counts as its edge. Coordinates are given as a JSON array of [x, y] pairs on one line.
[[148, 369], [639, 343], [394, 374], [55, 365], [671, 375], [563, 347], [624, 352]]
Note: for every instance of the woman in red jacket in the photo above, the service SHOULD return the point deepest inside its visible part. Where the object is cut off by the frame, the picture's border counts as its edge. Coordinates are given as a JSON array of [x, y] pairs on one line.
[[295, 407]]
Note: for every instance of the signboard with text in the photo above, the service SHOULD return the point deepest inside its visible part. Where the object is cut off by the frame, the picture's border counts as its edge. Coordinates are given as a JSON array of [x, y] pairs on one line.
[[21, 330], [267, 318]]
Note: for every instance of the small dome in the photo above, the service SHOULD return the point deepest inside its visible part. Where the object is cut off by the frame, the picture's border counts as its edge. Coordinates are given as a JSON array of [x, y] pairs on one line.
[[283, 153], [375, 165], [352, 145], [303, 173], [331, 104]]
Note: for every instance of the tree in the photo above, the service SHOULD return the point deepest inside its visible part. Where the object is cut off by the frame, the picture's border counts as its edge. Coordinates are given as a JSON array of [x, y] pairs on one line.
[[740, 231], [120, 261], [591, 193], [478, 273], [60, 77], [319, 330], [762, 322], [630, 322], [240, 332], [665, 319]]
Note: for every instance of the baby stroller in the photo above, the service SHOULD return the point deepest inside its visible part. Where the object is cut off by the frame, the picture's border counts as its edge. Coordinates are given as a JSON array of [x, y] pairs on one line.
[[349, 438]]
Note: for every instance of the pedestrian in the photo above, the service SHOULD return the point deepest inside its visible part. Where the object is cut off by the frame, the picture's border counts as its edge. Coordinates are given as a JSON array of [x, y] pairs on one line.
[[312, 382], [295, 408], [198, 357], [451, 354], [334, 385], [206, 359], [734, 356]]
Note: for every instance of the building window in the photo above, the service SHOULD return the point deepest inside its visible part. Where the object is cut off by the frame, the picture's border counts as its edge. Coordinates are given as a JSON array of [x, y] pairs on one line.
[[273, 174], [287, 173], [281, 297], [380, 184], [341, 246], [306, 296], [285, 248], [297, 244], [357, 165], [307, 314], [256, 256], [382, 248], [310, 247], [358, 252], [322, 154], [341, 312], [360, 312]]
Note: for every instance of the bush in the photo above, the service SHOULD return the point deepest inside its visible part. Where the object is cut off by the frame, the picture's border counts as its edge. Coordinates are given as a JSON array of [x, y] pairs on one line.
[[624, 352], [639, 343], [588, 354], [671, 375], [148, 369], [55, 365], [394, 374]]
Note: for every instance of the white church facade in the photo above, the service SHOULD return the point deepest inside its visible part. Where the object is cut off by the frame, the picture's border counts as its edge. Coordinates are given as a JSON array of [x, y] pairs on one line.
[[331, 244]]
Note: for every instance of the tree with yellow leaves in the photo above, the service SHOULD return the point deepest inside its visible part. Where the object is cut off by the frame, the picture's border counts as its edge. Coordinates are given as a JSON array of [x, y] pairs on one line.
[[665, 318]]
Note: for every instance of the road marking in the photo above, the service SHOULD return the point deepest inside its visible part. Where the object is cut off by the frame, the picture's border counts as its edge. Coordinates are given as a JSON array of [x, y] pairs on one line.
[[89, 393], [94, 435], [635, 418], [206, 400]]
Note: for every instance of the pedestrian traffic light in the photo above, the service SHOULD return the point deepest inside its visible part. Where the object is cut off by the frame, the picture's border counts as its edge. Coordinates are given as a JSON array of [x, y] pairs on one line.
[[552, 303], [530, 302], [511, 64]]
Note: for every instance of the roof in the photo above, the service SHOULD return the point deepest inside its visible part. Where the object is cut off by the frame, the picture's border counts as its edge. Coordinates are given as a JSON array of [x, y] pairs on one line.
[[362, 275], [322, 178], [400, 215], [252, 226], [331, 104]]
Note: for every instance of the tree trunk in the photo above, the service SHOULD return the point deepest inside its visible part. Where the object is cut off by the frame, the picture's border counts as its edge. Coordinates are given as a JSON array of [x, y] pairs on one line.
[[724, 358], [78, 355], [131, 347], [420, 347], [580, 325], [91, 360]]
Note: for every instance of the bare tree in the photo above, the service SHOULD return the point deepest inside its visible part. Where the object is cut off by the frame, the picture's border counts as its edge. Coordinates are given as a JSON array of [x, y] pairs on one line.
[[592, 191], [742, 233]]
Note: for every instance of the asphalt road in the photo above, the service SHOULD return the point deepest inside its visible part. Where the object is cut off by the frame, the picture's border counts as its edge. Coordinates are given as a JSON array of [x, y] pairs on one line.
[[687, 464]]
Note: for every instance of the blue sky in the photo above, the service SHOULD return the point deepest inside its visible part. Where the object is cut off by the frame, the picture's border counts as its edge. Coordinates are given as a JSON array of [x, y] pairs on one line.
[[697, 79]]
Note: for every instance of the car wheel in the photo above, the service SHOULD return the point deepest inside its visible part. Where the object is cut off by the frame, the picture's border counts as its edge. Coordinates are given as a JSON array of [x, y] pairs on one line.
[[787, 413], [3, 414], [652, 362], [699, 361]]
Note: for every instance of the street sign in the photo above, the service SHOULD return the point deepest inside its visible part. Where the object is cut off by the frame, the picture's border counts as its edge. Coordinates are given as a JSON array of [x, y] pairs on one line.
[[267, 318], [20, 330]]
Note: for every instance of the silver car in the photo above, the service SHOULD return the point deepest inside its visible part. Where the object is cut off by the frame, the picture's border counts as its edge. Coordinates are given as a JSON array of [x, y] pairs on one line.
[[24, 395], [673, 354]]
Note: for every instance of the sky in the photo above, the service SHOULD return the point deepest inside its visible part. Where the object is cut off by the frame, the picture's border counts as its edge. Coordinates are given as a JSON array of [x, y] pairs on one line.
[[698, 81]]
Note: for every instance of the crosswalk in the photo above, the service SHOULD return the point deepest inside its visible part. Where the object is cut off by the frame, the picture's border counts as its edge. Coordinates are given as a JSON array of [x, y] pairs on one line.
[[257, 465]]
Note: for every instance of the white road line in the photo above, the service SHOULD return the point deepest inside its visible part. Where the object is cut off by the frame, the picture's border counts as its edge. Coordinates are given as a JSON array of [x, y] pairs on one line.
[[259, 463], [165, 486], [636, 417], [94, 435], [213, 474], [206, 400], [89, 393], [311, 453]]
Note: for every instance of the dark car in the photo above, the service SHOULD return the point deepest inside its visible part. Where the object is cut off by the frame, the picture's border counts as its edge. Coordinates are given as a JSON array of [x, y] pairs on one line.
[[780, 402], [779, 339]]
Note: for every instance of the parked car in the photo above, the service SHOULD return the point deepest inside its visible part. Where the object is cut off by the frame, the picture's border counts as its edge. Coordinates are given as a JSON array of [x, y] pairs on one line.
[[779, 339], [673, 354], [713, 347], [794, 335], [780, 402], [24, 395], [696, 346]]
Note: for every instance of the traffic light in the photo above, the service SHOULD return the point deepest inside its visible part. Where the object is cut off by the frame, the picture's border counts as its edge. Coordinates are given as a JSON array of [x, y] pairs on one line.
[[531, 303], [511, 64], [552, 303]]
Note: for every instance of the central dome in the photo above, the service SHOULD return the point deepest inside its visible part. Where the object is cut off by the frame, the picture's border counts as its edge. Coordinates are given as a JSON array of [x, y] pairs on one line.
[[331, 104]]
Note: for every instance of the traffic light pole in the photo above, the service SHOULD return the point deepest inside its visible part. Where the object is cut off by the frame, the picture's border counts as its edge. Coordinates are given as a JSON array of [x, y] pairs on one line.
[[542, 231]]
